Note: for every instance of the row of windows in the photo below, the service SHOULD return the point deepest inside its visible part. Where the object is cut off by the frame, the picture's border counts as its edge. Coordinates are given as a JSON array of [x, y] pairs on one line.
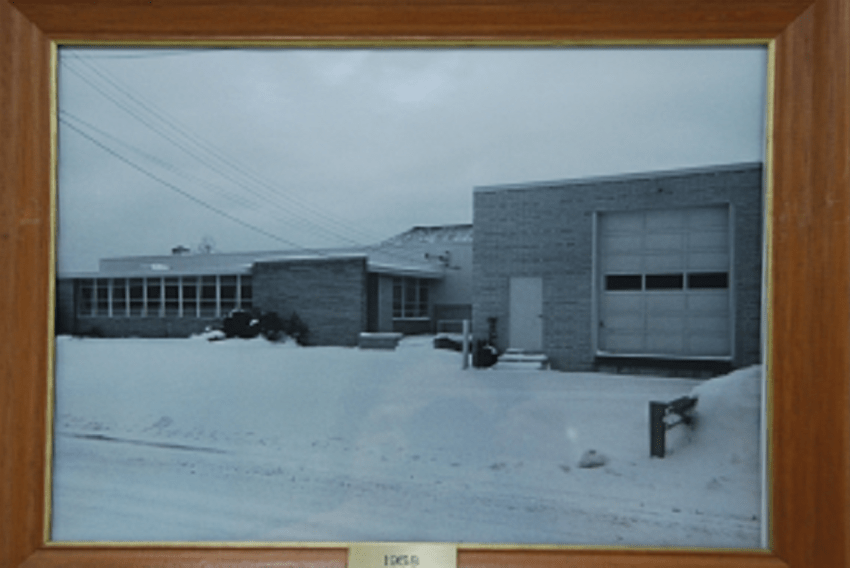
[[410, 298], [173, 296], [673, 281]]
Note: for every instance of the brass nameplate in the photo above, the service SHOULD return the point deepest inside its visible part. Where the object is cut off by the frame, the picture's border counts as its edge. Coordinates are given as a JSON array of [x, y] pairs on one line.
[[402, 555]]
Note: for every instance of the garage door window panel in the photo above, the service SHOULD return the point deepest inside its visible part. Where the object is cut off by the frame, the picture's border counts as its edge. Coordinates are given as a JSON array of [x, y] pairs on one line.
[[665, 281], [623, 282]]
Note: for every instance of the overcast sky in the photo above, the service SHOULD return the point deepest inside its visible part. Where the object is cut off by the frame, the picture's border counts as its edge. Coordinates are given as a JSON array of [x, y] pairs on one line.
[[276, 149]]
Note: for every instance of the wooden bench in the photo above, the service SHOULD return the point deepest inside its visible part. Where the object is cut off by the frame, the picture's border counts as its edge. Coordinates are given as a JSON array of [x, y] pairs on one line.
[[666, 415]]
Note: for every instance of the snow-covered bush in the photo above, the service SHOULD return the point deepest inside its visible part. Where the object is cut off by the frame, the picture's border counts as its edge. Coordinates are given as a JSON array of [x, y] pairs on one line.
[[272, 327], [240, 323], [248, 325]]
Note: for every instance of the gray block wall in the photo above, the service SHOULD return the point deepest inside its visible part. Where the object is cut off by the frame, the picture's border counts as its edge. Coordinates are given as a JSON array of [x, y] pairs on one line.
[[546, 230], [328, 294]]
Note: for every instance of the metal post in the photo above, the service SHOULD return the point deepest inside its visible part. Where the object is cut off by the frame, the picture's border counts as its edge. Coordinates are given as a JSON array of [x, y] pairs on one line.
[[466, 344], [657, 429]]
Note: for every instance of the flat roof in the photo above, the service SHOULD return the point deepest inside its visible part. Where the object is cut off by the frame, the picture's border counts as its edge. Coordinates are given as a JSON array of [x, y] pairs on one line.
[[394, 262], [636, 176]]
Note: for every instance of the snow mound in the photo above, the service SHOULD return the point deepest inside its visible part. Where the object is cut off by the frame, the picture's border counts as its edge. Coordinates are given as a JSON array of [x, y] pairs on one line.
[[592, 458], [728, 417], [209, 335]]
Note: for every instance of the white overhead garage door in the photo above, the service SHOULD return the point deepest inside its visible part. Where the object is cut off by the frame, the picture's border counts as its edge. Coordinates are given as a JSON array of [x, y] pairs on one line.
[[664, 282]]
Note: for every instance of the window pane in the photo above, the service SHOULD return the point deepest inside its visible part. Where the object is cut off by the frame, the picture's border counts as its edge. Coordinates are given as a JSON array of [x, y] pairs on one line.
[[623, 282], [190, 296], [86, 298], [172, 296], [228, 293], [119, 297], [154, 296], [102, 297], [665, 281], [409, 292], [137, 292], [208, 296], [701, 280]]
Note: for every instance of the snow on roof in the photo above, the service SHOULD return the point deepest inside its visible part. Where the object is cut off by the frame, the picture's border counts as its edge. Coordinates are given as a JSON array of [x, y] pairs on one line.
[[316, 255], [388, 257], [434, 234], [387, 261], [723, 168]]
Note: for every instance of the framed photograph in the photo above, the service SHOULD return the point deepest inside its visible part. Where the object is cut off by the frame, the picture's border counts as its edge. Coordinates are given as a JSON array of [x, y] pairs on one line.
[[595, 216], [808, 253]]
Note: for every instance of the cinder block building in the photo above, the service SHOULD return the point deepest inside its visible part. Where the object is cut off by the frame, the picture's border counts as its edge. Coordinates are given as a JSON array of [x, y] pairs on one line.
[[412, 283], [650, 270]]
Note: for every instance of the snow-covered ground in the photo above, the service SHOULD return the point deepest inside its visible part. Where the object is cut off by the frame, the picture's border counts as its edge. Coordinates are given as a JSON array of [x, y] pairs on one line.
[[190, 440]]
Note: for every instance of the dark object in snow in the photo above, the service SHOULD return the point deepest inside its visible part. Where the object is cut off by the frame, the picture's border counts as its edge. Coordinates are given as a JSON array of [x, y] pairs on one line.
[[447, 342], [484, 354], [666, 415], [240, 323], [271, 326], [248, 325], [592, 458]]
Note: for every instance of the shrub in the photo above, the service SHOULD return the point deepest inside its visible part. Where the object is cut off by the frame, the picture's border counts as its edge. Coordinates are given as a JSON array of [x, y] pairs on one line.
[[297, 329], [240, 323], [247, 325], [271, 326]]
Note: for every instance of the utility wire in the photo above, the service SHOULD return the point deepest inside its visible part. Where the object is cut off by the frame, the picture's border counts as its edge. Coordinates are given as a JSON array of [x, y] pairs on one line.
[[211, 165], [78, 125], [173, 125], [186, 194]]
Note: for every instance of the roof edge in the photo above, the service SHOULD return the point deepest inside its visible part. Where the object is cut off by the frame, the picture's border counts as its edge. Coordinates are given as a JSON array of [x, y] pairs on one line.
[[621, 177]]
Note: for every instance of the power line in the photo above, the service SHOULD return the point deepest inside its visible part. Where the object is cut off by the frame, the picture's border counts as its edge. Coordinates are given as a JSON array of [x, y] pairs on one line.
[[172, 126], [206, 162], [186, 194], [169, 123], [67, 119]]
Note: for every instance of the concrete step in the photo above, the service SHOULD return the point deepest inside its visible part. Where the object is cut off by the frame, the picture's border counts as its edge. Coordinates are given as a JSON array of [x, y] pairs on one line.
[[520, 360], [378, 340]]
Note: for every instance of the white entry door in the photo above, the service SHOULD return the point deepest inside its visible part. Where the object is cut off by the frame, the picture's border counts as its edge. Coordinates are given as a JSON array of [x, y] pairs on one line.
[[526, 313]]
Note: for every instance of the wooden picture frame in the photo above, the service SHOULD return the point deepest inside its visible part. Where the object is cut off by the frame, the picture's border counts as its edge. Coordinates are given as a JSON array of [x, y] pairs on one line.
[[809, 303]]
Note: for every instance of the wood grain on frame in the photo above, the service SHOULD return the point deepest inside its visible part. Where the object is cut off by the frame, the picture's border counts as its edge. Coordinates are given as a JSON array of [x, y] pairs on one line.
[[810, 255]]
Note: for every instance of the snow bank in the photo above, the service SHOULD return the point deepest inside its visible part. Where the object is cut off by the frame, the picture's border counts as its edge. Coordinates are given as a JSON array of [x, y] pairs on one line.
[[728, 417]]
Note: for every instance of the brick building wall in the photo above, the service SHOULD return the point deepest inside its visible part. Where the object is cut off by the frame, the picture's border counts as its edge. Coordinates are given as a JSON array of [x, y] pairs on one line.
[[546, 230], [328, 294]]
